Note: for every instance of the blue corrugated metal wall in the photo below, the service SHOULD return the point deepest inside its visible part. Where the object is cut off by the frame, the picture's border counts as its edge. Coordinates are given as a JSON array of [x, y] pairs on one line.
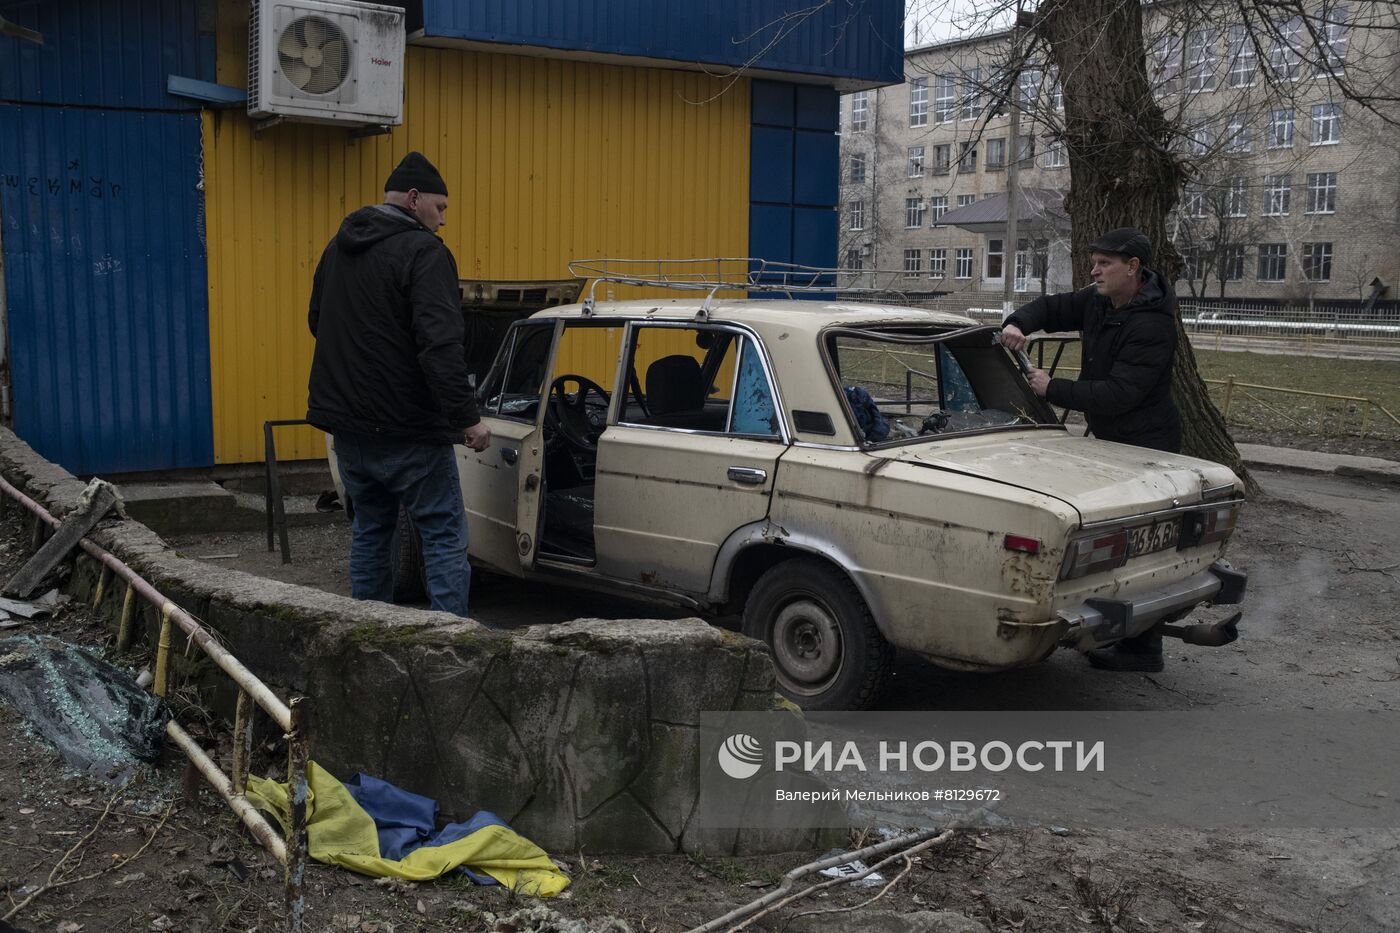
[[859, 40], [794, 174], [101, 216]]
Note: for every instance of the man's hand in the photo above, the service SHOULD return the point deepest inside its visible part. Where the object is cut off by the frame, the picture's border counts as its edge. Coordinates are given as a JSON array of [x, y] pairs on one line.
[[1039, 379], [1012, 338], [478, 436]]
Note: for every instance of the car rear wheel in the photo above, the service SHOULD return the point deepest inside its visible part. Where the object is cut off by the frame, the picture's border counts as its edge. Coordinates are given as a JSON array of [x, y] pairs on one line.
[[406, 562], [827, 652]]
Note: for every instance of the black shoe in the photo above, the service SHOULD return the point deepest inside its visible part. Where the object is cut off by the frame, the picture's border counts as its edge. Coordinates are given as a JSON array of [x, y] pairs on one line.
[[1141, 653]]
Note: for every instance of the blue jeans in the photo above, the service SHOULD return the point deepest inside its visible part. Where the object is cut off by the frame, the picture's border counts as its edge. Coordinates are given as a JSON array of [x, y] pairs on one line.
[[378, 475]]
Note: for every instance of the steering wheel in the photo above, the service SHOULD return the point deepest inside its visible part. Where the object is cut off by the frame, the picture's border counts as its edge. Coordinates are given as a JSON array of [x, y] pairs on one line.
[[579, 422]]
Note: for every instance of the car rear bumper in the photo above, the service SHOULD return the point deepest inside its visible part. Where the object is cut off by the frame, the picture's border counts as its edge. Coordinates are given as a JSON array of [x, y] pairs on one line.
[[1098, 621]]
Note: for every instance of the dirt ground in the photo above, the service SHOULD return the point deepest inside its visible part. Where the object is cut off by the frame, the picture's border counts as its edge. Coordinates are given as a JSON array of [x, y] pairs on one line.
[[1320, 631]]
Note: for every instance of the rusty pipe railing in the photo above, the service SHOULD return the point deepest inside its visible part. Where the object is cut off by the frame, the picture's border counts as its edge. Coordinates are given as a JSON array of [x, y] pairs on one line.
[[293, 718]]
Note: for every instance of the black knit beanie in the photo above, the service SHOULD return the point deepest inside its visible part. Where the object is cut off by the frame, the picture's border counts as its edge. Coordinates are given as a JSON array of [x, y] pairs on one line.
[[415, 171]]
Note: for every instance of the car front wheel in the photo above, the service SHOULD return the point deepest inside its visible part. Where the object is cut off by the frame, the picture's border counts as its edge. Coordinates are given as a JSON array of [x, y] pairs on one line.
[[827, 652]]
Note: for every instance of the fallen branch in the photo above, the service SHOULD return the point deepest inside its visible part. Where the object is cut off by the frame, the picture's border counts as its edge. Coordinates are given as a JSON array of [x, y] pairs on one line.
[[905, 845], [908, 866], [51, 884]]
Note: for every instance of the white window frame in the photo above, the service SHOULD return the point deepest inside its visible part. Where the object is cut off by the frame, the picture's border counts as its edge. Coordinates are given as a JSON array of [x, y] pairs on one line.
[[1232, 260], [857, 213], [918, 101], [1321, 193], [971, 107], [1237, 196], [857, 159], [1278, 195], [1200, 60], [1333, 41], [938, 263], [1285, 58], [916, 161], [1237, 136], [938, 206], [963, 259], [1193, 201], [966, 199], [1326, 116], [1056, 155], [1276, 255], [1313, 254], [1165, 63], [1244, 59], [860, 111], [1279, 134], [913, 263], [945, 98], [1028, 86], [913, 213]]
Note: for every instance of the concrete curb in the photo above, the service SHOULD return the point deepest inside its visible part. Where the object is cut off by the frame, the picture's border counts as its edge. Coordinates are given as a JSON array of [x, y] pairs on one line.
[[583, 735], [1371, 469]]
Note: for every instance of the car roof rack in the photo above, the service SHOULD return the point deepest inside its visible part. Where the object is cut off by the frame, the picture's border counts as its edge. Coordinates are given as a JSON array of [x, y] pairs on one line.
[[738, 273]]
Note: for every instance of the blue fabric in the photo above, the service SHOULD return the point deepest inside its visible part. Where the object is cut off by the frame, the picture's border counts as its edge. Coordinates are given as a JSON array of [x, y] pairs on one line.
[[378, 474], [405, 821], [872, 424]]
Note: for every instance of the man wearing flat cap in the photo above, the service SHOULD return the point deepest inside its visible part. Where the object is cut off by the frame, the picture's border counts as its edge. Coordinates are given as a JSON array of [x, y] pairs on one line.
[[1127, 322], [388, 382]]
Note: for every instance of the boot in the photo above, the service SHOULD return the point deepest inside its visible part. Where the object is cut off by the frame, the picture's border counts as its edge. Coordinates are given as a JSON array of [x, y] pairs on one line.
[[1139, 653]]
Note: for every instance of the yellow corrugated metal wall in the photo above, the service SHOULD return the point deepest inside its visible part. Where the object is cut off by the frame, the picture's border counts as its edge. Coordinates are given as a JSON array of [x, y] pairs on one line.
[[546, 161]]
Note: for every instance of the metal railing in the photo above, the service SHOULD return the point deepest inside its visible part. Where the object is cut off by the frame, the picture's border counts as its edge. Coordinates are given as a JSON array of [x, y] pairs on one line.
[[292, 717]]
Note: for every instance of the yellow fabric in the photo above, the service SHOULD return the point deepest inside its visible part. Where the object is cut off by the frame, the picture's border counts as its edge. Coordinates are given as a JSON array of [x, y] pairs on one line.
[[340, 832]]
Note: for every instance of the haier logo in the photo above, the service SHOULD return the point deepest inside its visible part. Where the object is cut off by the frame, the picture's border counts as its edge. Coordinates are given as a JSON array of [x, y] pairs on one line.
[[384, 62]]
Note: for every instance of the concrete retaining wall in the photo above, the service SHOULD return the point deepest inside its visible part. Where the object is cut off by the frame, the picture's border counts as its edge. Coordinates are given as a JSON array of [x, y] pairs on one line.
[[583, 735]]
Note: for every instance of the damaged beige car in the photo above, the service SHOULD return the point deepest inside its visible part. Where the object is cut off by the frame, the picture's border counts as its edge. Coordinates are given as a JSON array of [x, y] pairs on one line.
[[851, 478]]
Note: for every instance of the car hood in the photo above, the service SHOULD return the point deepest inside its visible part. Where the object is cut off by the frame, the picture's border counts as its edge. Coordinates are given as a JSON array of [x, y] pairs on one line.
[[1101, 480]]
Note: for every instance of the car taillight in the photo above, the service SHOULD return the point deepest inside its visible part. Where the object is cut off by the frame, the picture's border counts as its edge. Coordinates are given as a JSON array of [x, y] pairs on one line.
[[1021, 543], [1209, 525], [1095, 553]]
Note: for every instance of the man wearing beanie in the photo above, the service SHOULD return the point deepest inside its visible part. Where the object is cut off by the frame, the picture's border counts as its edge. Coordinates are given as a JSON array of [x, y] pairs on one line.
[[1127, 321], [388, 381]]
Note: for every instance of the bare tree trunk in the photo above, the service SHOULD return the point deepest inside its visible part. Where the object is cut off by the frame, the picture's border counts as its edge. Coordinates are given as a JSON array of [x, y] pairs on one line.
[[1124, 174]]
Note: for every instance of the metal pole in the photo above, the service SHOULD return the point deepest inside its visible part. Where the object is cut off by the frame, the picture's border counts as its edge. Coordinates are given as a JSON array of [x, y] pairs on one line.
[[1013, 176]]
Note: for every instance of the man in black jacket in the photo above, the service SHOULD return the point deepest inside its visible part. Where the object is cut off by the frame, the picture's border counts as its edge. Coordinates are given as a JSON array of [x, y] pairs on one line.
[[388, 381], [1127, 321]]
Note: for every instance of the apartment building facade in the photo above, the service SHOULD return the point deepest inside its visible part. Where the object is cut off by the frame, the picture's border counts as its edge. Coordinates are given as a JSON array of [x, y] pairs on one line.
[[1293, 191]]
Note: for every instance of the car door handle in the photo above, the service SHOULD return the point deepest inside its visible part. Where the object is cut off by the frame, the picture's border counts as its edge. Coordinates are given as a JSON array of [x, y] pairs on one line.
[[748, 475], [510, 455]]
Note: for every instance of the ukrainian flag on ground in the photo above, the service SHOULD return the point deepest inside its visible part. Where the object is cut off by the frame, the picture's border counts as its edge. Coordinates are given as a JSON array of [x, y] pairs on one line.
[[372, 827]]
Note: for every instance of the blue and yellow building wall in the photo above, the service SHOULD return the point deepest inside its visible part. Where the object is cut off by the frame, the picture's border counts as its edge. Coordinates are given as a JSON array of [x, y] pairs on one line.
[[556, 142]]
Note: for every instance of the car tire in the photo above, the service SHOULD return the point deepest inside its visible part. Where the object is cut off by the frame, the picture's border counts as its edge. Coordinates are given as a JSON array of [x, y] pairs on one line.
[[406, 562], [828, 653]]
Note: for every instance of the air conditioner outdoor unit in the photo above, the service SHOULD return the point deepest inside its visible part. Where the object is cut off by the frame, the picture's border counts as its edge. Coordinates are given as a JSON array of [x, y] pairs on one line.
[[326, 61]]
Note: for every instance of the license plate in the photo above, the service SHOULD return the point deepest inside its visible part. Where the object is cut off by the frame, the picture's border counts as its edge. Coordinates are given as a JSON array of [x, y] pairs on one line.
[[1158, 536]]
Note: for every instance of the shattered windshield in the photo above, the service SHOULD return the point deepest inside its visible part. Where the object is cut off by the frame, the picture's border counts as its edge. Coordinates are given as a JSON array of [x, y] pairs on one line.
[[901, 384]]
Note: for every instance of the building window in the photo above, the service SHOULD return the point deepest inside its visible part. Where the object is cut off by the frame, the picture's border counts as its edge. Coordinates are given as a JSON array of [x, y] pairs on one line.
[[1322, 193], [1326, 124], [1243, 58], [939, 205], [995, 257], [1055, 156], [1236, 196], [860, 109], [965, 199], [913, 212], [996, 154], [1278, 189], [1057, 90], [1193, 261], [942, 159], [1232, 262], [918, 102], [967, 157], [1237, 133], [1028, 87], [1273, 262], [1199, 138], [1280, 132], [1193, 203], [916, 161], [854, 261], [856, 169], [857, 212], [938, 263], [944, 98], [913, 263], [1283, 56], [1025, 149], [1166, 63], [1317, 262], [1332, 39], [972, 94], [964, 261], [1200, 61]]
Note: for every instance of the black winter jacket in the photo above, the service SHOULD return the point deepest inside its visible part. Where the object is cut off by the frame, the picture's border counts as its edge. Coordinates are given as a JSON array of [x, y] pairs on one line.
[[1125, 380], [387, 320]]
